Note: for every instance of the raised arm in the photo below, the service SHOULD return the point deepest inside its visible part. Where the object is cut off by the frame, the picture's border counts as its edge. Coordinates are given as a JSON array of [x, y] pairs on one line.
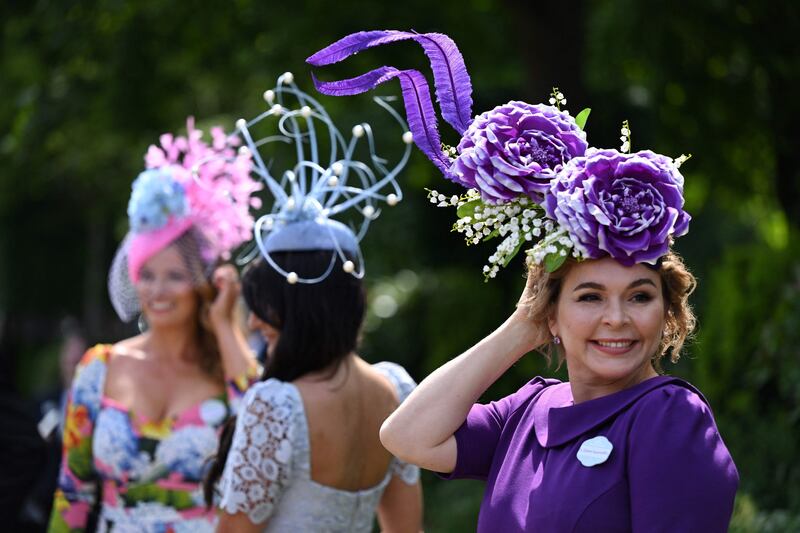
[[238, 361], [421, 430]]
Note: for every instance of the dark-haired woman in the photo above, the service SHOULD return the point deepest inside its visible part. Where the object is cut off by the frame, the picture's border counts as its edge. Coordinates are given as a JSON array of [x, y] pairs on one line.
[[305, 453]]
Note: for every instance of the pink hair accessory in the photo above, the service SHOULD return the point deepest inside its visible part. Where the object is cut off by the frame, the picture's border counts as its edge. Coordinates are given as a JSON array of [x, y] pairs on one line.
[[145, 245]]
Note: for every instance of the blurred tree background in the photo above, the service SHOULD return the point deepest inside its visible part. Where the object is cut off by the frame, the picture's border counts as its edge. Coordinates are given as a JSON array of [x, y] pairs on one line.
[[85, 87]]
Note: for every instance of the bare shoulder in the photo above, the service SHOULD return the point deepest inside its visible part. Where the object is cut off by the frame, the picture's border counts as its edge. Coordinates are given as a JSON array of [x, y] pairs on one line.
[[127, 355], [130, 347], [380, 381], [396, 377]]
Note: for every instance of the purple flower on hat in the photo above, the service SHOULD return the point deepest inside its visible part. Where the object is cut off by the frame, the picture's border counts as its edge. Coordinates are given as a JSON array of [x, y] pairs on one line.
[[517, 149], [628, 206]]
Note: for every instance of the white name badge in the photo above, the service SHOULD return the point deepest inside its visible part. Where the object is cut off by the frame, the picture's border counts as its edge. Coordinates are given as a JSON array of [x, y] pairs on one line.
[[594, 451]]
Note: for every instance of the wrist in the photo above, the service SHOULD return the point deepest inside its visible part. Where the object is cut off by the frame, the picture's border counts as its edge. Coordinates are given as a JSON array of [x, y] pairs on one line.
[[221, 324], [518, 334]]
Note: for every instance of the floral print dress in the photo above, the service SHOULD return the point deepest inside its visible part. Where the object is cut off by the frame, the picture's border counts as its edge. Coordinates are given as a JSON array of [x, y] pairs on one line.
[[148, 473]]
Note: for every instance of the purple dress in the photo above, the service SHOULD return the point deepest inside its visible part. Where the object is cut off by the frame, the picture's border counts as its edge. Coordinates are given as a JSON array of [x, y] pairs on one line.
[[668, 469]]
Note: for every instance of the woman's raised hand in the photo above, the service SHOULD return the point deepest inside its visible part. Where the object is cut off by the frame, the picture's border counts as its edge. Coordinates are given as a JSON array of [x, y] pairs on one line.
[[226, 281]]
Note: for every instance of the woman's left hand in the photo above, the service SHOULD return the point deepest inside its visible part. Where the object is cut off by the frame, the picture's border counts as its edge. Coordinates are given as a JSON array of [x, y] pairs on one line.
[[226, 280]]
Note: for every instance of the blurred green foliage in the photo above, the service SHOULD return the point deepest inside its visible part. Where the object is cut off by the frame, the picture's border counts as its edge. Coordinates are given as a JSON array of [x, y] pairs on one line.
[[85, 87]]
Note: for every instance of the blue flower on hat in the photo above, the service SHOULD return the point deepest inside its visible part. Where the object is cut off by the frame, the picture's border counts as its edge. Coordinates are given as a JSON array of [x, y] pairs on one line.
[[156, 197]]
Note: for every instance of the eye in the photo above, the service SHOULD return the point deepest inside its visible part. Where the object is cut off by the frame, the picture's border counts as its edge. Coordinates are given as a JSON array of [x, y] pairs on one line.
[[589, 297], [146, 275], [175, 275], [642, 297]]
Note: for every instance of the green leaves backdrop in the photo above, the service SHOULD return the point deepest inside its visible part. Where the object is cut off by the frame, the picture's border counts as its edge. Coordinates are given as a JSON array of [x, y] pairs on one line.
[[85, 87]]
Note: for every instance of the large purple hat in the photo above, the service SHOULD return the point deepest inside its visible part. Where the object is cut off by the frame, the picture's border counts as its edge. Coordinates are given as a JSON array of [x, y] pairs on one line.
[[530, 175]]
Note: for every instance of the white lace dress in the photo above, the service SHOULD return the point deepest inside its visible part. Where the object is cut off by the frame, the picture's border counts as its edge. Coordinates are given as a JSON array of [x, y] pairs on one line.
[[268, 472]]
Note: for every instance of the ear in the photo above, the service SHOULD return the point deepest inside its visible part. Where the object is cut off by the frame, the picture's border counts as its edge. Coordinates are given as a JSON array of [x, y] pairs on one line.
[[552, 325]]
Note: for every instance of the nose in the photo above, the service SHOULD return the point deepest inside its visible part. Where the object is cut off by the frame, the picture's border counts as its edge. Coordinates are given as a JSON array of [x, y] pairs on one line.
[[616, 314], [159, 287], [152, 288]]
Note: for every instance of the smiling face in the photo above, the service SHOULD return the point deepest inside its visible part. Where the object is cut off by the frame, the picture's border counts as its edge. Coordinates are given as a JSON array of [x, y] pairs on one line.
[[166, 290], [610, 319]]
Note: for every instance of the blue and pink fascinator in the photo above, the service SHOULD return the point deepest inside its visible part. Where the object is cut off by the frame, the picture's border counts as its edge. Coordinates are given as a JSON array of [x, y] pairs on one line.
[[190, 186], [530, 176]]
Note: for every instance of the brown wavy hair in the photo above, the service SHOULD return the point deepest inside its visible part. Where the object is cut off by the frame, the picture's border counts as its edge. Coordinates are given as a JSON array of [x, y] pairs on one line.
[[677, 283], [210, 361]]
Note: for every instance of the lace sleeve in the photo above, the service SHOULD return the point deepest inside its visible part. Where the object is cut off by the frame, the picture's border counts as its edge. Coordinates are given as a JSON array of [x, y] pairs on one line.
[[403, 384], [405, 471], [259, 464]]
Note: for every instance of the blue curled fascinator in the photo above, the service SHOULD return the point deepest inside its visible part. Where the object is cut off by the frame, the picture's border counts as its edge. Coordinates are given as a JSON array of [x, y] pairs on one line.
[[327, 181]]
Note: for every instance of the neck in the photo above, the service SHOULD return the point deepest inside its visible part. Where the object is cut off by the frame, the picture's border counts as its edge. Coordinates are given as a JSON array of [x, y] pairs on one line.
[[174, 343], [590, 389], [333, 374]]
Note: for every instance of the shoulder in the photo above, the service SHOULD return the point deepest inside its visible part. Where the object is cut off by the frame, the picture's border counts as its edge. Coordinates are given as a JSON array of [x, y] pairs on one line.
[[129, 365], [126, 355], [531, 392], [519, 404], [673, 437], [131, 348], [92, 365], [675, 423], [538, 384], [271, 394], [675, 400], [271, 414], [98, 354], [400, 379], [90, 375]]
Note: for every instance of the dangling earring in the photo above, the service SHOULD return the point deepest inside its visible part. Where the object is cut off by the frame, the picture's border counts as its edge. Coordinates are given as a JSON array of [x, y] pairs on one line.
[[556, 339]]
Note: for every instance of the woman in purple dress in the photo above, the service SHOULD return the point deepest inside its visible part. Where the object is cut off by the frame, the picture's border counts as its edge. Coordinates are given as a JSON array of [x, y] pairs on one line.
[[619, 447]]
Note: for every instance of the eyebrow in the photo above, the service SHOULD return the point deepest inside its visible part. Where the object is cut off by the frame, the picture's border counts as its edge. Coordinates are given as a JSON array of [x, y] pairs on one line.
[[169, 271], [597, 286]]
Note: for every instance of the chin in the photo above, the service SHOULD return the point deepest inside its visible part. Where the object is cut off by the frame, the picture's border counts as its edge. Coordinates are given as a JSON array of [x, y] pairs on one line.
[[167, 320], [617, 370]]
